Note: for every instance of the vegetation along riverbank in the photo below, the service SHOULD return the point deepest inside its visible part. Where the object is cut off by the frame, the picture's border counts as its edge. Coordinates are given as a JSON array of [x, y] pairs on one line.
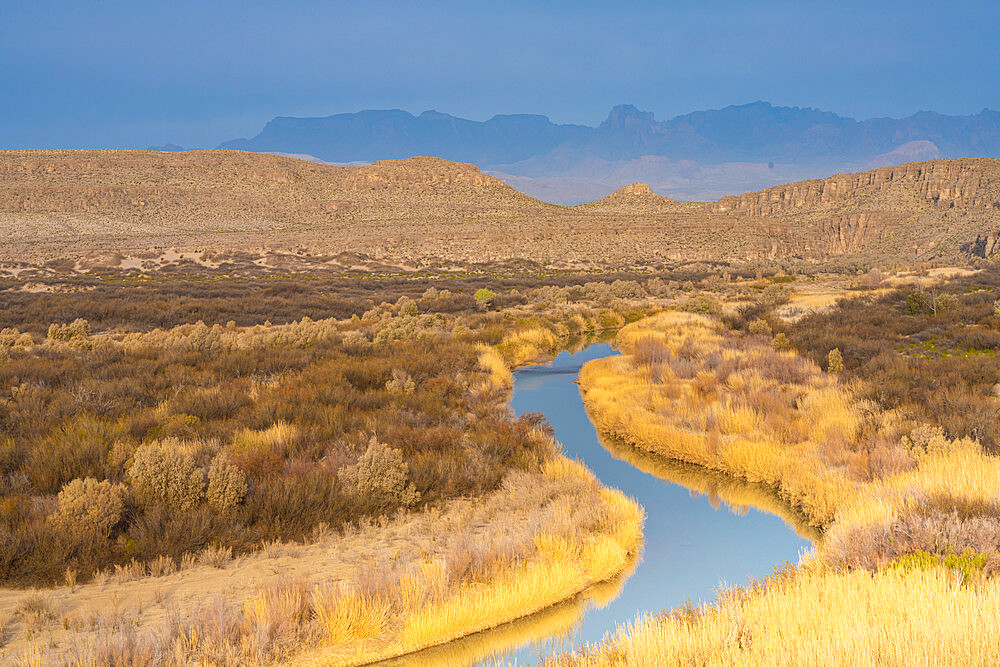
[[868, 417]]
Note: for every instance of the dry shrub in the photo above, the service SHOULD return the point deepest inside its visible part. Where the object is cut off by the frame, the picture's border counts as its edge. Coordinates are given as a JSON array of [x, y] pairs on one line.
[[75, 448], [227, 484], [165, 472], [382, 475], [401, 382], [36, 611], [927, 440], [650, 351], [215, 555], [78, 328], [129, 571], [91, 505], [161, 566]]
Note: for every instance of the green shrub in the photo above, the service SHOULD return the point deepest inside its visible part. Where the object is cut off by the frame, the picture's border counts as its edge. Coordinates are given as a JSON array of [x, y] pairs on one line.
[[759, 327], [227, 484], [918, 303], [90, 505], [165, 472], [382, 475]]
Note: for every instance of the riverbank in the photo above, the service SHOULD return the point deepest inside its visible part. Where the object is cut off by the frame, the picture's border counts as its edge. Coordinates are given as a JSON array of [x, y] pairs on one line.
[[909, 525], [382, 588], [539, 540]]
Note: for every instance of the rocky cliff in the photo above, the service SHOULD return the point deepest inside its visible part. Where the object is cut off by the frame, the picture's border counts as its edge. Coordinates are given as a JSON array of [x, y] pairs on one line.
[[966, 183]]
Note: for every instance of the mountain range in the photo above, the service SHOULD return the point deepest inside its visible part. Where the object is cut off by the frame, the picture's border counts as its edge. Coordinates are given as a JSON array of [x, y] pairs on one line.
[[693, 157]]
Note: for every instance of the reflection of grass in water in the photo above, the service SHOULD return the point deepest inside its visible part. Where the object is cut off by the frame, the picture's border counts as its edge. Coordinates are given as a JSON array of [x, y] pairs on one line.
[[550, 629], [736, 494], [573, 344]]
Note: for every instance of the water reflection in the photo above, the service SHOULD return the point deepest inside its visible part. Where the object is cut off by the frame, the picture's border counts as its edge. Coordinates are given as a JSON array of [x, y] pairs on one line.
[[548, 632], [736, 495], [702, 530]]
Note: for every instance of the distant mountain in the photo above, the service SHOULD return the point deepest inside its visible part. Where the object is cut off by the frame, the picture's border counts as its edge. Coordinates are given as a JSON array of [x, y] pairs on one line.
[[700, 155], [384, 135], [168, 148]]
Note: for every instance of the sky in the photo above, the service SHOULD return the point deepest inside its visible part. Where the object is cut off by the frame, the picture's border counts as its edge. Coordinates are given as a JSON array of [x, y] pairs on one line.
[[90, 74]]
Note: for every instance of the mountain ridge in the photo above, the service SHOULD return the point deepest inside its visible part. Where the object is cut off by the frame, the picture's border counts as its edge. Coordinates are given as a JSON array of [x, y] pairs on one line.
[[698, 155]]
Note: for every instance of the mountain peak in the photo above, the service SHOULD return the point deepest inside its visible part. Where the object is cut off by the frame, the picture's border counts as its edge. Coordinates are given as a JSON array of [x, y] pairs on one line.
[[625, 115], [433, 114]]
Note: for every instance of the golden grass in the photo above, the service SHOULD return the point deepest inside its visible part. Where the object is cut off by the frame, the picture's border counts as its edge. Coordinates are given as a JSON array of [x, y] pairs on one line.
[[275, 438], [920, 617], [519, 347], [493, 363], [814, 448], [431, 614], [711, 424]]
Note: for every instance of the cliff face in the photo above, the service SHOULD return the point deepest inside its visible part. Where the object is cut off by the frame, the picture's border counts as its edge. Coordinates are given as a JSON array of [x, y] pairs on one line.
[[968, 183], [70, 203]]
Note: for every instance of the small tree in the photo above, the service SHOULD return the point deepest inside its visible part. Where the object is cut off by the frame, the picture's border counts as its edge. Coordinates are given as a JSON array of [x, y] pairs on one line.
[[834, 361], [484, 297], [759, 327], [781, 342], [945, 303]]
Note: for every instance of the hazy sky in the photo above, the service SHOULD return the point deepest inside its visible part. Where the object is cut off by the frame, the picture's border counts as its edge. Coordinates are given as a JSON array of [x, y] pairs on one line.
[[119, 74]]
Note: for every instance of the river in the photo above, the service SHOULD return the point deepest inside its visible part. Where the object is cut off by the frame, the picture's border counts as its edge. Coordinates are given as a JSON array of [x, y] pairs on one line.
[[702, 530]]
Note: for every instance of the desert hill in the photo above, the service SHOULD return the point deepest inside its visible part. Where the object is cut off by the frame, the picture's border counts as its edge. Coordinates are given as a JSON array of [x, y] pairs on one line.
[[635, 198], [78, 203]]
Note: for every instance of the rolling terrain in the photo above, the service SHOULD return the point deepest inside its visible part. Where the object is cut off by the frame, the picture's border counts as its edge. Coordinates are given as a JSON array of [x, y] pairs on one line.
[[117, 208]]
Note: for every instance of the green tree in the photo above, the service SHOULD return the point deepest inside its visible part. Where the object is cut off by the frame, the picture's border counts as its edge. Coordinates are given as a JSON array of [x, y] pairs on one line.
[[484, 297]]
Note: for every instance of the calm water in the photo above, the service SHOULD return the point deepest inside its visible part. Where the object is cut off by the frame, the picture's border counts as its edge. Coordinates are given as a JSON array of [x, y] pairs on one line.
[[702, 530]]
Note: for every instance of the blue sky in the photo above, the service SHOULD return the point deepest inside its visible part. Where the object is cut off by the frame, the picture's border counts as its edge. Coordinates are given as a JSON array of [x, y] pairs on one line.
[[131, 74]]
